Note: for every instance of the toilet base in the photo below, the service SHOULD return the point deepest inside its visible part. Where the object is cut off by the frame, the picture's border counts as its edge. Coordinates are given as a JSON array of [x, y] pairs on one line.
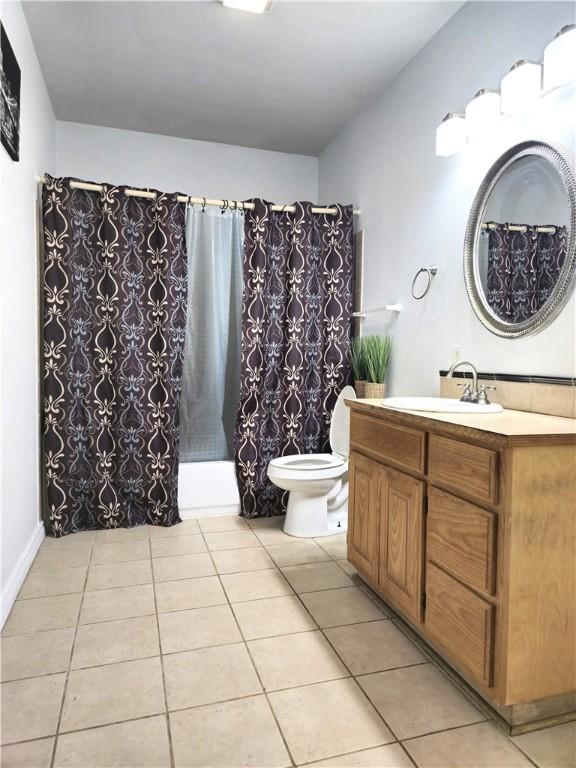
[[314, 516]]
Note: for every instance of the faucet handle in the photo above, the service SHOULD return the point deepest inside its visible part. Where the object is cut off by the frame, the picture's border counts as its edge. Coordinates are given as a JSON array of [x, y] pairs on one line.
[[468, 395], [482, 393]]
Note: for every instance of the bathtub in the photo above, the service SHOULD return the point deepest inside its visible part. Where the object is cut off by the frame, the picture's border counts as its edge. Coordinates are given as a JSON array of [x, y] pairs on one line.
[[207, 488]]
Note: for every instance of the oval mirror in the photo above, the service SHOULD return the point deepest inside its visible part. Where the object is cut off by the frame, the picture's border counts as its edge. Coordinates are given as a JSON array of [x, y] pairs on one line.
[[520, 250]]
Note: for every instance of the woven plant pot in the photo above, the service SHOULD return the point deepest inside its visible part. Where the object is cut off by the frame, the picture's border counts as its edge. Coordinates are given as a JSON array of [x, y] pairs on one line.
[[374, 391], [360, 388]]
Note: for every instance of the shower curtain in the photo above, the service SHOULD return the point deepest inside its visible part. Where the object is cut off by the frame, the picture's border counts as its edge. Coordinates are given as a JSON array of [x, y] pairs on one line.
[[211, 379], [114, 318], [296, 325], [523, 268]]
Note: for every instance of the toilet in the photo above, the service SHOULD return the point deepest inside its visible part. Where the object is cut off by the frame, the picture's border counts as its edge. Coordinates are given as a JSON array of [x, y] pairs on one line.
[[318, 482]]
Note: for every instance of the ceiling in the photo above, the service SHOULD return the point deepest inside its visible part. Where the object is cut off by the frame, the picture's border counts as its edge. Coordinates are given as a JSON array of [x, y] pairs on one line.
[[286, 80]]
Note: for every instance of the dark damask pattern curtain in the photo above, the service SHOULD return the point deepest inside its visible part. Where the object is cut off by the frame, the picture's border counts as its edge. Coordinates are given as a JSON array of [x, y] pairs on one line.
[[296, 325], [523, 268], [115, 288]]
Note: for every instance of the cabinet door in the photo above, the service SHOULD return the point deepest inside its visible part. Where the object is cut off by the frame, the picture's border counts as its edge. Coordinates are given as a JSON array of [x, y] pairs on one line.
[[401, 541], [363, 515]]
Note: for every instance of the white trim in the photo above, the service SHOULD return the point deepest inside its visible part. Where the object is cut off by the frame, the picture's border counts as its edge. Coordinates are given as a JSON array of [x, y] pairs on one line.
[[195, 512], [16, 578]]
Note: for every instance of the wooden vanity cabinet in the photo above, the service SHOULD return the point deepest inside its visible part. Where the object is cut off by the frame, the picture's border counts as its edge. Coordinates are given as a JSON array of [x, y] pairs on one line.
[[469, 535]]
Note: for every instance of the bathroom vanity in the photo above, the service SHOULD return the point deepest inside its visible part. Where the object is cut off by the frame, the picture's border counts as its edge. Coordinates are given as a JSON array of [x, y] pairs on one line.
[[465, 525]]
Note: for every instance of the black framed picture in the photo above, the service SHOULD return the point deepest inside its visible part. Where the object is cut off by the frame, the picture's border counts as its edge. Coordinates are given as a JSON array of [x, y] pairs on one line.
[[10, 98]]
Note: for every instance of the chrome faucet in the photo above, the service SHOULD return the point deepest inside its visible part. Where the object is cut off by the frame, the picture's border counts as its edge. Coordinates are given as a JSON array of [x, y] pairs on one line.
[[472, 394]]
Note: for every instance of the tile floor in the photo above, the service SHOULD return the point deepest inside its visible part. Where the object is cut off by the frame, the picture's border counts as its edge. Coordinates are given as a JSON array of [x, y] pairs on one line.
[[221, 643]]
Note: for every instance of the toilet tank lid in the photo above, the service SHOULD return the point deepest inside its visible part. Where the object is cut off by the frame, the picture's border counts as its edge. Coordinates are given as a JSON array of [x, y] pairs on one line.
[[340, 423]]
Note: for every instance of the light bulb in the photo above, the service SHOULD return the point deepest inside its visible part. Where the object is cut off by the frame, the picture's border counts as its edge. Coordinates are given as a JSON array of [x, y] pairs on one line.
[[482, 113], [451, 135], [252, 6], [560, 58], [521, 87]]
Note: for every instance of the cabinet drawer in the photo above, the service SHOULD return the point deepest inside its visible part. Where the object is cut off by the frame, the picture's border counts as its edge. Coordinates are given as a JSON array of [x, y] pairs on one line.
[[467, 468], [461, 537], [391, 443], [461, 622]]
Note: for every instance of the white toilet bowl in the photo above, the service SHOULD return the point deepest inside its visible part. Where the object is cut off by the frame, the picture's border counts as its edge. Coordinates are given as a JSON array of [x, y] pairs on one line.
[[318, 482]]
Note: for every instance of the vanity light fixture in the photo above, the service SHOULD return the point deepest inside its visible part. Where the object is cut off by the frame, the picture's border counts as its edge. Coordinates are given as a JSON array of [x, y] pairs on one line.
[[252, 6], [560, 58], [521, 87], [451, 135], [482, 112]]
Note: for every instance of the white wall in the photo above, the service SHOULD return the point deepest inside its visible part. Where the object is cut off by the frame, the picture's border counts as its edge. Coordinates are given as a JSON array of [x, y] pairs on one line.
[[199, 168], [415, 205], [19, 407]]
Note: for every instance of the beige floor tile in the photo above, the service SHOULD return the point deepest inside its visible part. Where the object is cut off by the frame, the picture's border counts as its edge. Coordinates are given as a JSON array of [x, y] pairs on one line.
[[272, 535], [81, 538], [231, 734], [121, 552], [241, 560], [241, 587], [41, 613], [117, 603], [418, 700], [185, 528], [335, 546], [27, 754], [290, 660], [373, 647], [296, 554], [189, 593], [112, 641], [66, 557], [209, 675], [272, 616], [230, 540], [476, 746], [182, 567], [267, 522], [41, 653], [224, 523], [114, 535], [53, 581], [316, 576], [551, 747], [136, 744], [30, 708], [389, 756], [347, 567], [170, 546], [103, 695], [111, 575], [335, 607], [327, 719], [198, 628]]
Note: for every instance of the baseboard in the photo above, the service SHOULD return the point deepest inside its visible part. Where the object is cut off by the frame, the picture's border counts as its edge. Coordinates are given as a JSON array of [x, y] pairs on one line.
[[194, 512], [16, 578]]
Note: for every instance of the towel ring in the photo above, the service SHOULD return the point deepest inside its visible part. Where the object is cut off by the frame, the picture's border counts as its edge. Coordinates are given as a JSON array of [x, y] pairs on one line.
[[430, 271]]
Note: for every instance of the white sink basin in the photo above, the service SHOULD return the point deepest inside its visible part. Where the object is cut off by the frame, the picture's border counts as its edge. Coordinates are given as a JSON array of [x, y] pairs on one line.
[[439, 405]]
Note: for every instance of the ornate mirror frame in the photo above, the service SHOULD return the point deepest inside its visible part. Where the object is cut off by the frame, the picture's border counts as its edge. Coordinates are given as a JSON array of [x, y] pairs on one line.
[[564, 166]]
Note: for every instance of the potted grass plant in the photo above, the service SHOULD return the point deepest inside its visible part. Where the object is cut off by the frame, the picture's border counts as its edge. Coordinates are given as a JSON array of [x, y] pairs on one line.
[[376, 356], [358, 365]]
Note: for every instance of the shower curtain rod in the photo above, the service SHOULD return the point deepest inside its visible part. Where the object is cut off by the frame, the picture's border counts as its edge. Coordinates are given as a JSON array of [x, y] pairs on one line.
[[233, 204], [519, 228]]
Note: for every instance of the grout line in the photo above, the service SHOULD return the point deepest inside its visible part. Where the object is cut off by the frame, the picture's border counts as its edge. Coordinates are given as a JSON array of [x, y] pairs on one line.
[[164, 690], [69, 669], [264, 692]]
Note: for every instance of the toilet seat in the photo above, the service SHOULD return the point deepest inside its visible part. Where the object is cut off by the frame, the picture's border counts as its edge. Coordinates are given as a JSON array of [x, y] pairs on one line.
[[322, 463], [305, 462]]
